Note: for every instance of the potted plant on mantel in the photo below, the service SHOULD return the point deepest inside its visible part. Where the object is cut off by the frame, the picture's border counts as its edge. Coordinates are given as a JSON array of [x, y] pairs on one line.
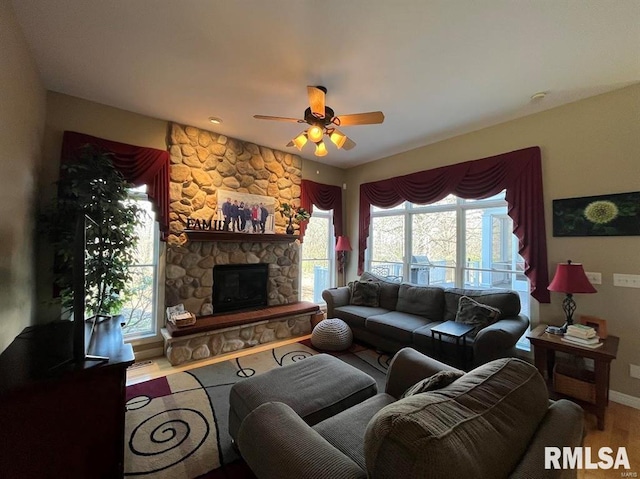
[[299, 214], [90, 185]]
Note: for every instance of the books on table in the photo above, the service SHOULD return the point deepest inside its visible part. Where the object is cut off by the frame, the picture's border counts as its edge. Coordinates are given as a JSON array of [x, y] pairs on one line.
[[580, 331], [592, 343]]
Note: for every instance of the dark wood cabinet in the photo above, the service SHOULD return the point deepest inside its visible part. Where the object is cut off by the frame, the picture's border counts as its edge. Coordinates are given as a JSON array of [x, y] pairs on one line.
[[59, 418]]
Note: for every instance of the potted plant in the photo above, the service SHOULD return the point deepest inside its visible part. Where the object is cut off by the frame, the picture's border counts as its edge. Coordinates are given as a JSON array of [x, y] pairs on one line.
[[299, 214], [90, 185]]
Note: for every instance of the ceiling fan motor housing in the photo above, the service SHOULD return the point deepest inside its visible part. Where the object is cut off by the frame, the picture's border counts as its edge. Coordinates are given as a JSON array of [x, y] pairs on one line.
[[310, 118]]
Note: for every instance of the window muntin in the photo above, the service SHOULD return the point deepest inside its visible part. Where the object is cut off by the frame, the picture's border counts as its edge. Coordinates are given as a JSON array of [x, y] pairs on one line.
[[317, 257]]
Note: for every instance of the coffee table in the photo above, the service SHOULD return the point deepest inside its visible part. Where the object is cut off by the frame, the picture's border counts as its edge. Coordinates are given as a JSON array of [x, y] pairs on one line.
[[456, 331]]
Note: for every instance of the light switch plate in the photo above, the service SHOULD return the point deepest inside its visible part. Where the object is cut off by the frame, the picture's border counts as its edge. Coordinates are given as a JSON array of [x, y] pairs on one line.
[[594, 278], [634, 371], [626, 280]]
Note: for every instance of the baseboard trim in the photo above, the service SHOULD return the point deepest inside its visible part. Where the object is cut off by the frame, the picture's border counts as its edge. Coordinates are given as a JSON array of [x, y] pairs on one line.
[[625, 399], [149, 353]]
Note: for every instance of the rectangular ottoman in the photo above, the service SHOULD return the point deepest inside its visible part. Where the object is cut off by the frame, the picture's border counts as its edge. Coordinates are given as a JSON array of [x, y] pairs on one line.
[[316, 388]]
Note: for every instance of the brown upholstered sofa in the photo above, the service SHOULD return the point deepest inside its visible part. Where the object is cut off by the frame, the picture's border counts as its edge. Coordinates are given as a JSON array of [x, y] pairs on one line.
[[406, 313], [493, 422]]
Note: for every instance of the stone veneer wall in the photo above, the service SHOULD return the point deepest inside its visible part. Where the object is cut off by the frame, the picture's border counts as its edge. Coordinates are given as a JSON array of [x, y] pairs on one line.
[[202, 164]]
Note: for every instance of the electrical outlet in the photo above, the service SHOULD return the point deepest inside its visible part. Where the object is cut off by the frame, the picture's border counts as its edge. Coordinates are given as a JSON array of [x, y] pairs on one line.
[[634, 371], [626, 280], [594, 278]]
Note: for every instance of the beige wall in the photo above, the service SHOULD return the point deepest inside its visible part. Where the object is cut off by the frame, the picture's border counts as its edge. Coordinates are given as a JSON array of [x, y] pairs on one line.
[[70, 113], [321, 173], [590, 147], [21, 124]]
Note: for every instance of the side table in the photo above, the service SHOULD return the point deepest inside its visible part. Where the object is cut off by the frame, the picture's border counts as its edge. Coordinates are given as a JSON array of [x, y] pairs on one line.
[[545, 346], [454, 330]]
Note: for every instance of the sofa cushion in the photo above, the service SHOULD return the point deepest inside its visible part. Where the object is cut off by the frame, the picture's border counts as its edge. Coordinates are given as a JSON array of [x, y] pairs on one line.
[[475, 314], [345, 430], [388, 290], [437, 381], [395, 325], [478, 426], [422, 300], [365, 293], [507, 301], [356, 316]]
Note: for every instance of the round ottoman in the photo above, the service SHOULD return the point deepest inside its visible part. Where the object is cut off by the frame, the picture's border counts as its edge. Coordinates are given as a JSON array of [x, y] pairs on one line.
[[332, 335]]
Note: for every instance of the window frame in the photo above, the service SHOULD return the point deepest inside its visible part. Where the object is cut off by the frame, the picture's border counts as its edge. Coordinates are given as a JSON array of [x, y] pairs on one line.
[[331, 240], [138, 194]]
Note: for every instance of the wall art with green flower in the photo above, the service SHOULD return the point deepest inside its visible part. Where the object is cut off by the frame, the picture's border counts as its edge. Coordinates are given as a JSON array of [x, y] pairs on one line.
[[606, 215]]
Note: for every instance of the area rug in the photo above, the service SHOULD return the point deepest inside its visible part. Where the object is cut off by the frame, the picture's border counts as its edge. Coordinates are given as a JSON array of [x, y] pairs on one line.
[[177, 426]]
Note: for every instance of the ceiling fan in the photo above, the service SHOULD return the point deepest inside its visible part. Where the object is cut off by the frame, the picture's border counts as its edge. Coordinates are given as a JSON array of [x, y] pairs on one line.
[[322, 121]]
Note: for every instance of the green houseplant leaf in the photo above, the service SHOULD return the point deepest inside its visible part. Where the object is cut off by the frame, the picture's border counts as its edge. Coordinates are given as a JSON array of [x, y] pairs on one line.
[[91, 185]]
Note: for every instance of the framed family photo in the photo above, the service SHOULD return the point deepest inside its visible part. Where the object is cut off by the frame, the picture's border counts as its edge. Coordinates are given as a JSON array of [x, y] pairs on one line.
[[245, 212]]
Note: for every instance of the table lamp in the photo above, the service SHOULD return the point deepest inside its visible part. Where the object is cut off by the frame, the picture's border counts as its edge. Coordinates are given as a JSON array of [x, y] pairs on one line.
[[570, 278]]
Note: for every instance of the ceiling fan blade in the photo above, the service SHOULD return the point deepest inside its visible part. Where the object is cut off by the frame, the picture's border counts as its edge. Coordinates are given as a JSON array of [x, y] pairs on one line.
[[368, 118], [290, 144], [349, 144], [277, 118], [316, 101]]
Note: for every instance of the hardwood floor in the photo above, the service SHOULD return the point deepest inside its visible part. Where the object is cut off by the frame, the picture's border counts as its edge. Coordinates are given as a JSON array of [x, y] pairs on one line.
[[622, 429], [622, 423]]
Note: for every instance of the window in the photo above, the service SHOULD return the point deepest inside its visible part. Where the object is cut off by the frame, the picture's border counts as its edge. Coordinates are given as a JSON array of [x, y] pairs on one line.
[[453, 242], [140, 303], [318, 256]]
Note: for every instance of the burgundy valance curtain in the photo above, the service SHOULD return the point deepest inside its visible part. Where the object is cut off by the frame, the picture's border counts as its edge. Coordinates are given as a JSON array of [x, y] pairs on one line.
[[139, 166], [519, 172], [326, 197]]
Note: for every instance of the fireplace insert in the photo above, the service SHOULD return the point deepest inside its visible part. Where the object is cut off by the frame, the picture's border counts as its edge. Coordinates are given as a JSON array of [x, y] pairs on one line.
[[239, 286]]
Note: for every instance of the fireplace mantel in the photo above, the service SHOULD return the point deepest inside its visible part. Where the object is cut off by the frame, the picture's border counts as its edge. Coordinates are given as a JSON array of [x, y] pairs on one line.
[[228, 236]]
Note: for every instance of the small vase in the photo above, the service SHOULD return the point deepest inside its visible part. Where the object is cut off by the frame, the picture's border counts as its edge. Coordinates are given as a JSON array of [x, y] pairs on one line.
[[290, 229]]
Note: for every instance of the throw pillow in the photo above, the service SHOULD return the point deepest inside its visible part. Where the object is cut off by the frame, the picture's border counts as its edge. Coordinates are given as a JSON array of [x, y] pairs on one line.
[[476, 314], [437, 381], [365, 293]]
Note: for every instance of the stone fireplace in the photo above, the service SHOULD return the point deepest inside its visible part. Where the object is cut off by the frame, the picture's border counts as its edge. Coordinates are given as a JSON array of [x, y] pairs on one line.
[[204, 164]]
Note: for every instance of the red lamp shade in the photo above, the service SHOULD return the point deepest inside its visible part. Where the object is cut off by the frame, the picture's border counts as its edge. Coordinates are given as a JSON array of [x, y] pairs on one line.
[[571, 278], [343, 244]]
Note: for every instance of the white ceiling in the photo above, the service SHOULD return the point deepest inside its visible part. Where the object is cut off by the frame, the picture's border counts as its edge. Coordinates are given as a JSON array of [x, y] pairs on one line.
[[436, 68]]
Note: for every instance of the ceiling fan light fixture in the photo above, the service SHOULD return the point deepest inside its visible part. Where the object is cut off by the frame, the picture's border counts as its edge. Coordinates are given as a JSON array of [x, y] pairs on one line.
[[322, 121], [321, 149], [300, 140], [338, 138], [315, 133]]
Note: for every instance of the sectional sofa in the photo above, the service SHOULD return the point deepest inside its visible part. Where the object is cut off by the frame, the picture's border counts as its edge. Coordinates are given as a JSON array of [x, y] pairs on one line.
[[405, 314]]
